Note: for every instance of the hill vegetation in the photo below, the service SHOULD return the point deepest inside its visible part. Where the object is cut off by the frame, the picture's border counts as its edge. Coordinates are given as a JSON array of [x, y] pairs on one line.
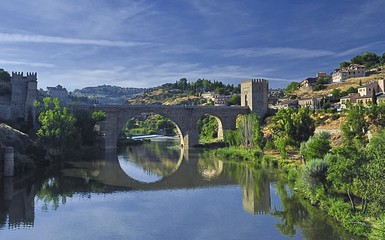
[[107, 94], [184, 92]]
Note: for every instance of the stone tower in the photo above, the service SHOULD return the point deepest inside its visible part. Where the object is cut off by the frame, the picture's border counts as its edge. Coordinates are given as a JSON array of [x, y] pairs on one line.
[[24, 92], [254, 94]]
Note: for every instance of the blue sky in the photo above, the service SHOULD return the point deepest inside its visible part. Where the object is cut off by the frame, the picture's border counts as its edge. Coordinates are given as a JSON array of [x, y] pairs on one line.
[[79, 43]]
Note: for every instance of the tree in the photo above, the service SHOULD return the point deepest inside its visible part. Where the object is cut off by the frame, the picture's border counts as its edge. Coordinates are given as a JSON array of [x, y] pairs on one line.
[[85, 123], [292, 87], [375, 152], [235, 99], [316, 147], [368, 59], [355, 126], [344, 64], [57, 124], [347, 171], [250, 133], [314, 174], [4, 75]]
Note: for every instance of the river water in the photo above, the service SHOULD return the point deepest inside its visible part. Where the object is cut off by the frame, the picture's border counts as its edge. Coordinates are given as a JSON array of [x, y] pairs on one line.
[[157, 191]]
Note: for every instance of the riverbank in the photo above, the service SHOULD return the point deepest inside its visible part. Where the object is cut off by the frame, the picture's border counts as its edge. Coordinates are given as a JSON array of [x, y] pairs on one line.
[[334, 205]]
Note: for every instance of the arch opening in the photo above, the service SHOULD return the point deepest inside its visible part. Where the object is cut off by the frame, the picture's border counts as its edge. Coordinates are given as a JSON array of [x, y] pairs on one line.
[[143, 126], [210, 129]]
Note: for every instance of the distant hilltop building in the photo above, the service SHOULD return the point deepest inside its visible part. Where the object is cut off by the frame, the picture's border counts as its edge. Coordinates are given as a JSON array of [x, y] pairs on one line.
[[354, 70], [60, 93], [17, 97]]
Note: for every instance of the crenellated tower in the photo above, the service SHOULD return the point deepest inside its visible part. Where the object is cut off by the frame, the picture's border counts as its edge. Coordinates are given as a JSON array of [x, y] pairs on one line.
[[24, 92], [254, 94]]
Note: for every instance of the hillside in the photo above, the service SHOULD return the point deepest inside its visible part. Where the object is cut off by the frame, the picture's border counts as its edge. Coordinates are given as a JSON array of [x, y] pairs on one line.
[[165, 97], [372, 75], [106, 94]]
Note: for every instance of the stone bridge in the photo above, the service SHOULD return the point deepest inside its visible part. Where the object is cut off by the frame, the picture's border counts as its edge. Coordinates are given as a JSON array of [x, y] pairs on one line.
[[254, 97], [184, 117]]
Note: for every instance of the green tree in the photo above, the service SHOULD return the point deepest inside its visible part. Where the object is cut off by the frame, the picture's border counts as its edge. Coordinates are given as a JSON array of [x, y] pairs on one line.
[[347, 172], [4, 75], [368, 59], [375, 168], [85, 123], [316, 147], [344, 64], [250, 133], [57, 124], [292, 87], [355, 126], [314, 174], [235, 99]]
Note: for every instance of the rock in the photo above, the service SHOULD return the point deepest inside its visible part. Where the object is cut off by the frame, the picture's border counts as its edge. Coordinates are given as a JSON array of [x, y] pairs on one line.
[[10, 137]]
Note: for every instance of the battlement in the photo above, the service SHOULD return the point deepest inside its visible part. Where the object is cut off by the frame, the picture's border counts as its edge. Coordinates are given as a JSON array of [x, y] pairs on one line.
[[32, 76], [257, 80]]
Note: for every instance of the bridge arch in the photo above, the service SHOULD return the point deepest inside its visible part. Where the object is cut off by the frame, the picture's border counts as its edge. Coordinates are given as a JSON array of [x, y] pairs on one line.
[[132, 114], [184, 117]]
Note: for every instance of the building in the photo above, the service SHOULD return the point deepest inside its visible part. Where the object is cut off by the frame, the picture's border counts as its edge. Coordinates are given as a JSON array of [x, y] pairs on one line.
[[308, 83], [254, 94], [351, 98], [321, 74], [16, 102], [354, 70], [293, 103], [312, 103], [60, 93], [221, 100]]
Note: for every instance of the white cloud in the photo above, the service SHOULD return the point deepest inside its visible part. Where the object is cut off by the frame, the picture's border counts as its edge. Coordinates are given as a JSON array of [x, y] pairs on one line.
[[285, 52], [27, 63], [5, 37]]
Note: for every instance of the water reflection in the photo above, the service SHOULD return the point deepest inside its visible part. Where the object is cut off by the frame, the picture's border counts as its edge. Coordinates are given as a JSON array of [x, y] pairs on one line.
[[260, 191], [151, 162]]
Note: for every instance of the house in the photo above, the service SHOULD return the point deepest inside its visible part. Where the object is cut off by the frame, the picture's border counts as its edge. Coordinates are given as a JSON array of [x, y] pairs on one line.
[[370, 89], [308, 83], [381, 99], [312, 103], [352, 71], [351, 98], [60, 93], [287, 103], [221, 100], [364, 100], [321, 74]]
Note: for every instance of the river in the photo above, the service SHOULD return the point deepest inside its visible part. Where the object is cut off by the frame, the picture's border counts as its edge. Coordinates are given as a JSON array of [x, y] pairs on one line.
[[157, 191]]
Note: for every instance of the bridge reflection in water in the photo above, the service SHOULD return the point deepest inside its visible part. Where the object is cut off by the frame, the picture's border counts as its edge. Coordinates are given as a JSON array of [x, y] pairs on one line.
[[179, 169]]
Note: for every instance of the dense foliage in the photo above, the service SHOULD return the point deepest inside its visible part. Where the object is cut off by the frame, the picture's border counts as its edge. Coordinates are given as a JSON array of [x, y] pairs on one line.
[[59, 128], [368, 59], [57, 124], [291, 127], [348, 180], [201, 86], [248, 134]]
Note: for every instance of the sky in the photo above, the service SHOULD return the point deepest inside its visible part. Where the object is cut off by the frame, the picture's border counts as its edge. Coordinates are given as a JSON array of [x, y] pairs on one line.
[[146, 43]]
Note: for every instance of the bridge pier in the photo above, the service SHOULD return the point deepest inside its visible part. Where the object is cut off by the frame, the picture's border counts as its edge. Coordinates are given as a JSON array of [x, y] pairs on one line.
[[190, 138]]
